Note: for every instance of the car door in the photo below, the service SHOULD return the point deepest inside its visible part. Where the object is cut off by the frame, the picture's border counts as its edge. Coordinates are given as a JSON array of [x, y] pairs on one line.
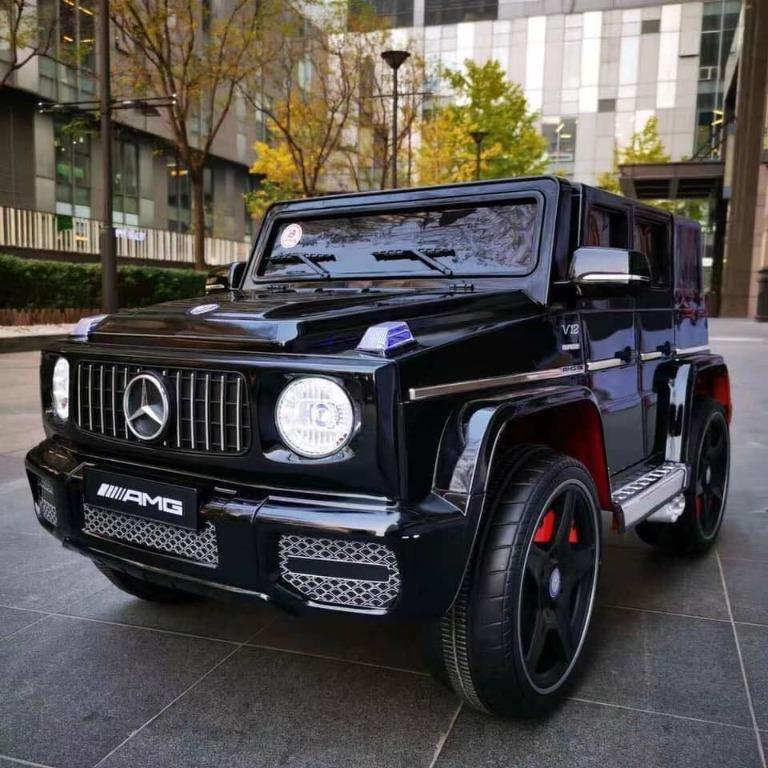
[[610, 337], [652, 236]]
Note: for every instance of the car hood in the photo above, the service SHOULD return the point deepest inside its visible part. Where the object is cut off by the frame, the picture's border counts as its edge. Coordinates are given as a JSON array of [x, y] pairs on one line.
[[311, 320]]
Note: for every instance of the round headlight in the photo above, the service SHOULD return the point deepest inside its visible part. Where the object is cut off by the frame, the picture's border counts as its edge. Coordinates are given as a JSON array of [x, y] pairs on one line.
[[60, 389], [315, 417]]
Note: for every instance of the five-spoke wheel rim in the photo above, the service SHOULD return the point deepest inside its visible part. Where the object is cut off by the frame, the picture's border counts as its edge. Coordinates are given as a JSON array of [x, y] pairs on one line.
[[711, 479], [558, 586]]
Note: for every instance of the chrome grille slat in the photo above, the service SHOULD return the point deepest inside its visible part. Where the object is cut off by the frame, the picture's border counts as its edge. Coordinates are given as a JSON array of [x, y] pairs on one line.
[[114, 402], [206, 421], [222, 393]]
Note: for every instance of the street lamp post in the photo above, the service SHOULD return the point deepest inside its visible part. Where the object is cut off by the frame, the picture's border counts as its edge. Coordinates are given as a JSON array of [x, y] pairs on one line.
[[395, 60], [477, 137], [108, 243]]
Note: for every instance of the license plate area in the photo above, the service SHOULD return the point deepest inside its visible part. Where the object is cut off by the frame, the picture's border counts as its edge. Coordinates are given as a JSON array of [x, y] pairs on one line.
[[152, 499]]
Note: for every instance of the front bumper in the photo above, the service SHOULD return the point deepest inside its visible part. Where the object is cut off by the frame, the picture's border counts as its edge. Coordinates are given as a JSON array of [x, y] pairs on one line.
[[298, 550]]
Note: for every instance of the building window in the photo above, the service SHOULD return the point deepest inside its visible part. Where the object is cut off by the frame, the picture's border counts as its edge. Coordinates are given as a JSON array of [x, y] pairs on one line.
[[125, 160], [72, 147], [179, 197], [606, 105], [452, 12], [650, 26], [561, 140], [390, 13]]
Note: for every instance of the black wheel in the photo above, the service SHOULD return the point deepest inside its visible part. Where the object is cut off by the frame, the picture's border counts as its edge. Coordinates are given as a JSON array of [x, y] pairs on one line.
[[145, 590], [709, 450], [513, 638]]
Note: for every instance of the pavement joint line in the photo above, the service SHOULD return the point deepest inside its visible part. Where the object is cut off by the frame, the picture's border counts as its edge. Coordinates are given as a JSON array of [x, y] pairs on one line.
[[173, 701], [26, 626], [750, 703], [159, 630], [29, 610], [170, 704], [662, 613], [337, 659], [441, 742], [658, 713], [19, 761]]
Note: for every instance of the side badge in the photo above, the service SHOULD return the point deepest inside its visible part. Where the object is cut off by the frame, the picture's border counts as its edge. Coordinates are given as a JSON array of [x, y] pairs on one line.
[[571, 334], [203, 309]]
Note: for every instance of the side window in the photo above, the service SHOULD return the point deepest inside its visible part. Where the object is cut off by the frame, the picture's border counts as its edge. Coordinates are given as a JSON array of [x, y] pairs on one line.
[[652, 239], [687, 258], [606, 228]]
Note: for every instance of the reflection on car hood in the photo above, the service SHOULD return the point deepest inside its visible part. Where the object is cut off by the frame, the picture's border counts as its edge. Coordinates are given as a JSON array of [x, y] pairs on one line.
[[312, 320]]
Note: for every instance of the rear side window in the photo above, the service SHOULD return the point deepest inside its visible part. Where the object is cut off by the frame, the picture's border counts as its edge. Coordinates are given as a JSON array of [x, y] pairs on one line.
[[606, 228], [652, 239], [688, 257]]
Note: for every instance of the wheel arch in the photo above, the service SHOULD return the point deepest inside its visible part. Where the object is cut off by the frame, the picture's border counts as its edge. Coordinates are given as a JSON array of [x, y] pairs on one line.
[[704, 375], [479, 433]]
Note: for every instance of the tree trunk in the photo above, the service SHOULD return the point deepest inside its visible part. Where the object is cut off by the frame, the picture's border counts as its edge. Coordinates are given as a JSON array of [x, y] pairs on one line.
[[198, 217]]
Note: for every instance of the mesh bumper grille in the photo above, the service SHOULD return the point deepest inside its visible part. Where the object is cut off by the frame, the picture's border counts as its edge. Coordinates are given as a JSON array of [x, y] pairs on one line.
[[201, 547], [335, 590], [48, 511]]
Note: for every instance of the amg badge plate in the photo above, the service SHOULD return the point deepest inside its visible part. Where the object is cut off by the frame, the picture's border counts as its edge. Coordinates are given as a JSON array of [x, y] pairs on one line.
[[174, 504]]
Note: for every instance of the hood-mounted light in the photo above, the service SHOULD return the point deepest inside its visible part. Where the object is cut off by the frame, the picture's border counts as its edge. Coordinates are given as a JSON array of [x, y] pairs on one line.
[[85, 325], [383, 338]]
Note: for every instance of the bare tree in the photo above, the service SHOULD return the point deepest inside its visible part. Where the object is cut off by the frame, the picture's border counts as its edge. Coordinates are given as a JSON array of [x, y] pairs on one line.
[[24, 35], [182, 49]]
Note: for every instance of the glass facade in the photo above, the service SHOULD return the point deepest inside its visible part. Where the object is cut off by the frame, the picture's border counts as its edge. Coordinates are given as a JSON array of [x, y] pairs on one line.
[[72, 148], [125, 190], [600, 73], [452, 12]]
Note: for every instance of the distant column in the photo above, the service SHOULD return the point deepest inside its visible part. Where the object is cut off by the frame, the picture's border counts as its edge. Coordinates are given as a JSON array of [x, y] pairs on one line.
[[750, 122]]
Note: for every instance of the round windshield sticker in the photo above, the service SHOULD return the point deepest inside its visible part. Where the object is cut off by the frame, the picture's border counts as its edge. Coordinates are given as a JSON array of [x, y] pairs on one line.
[[291, 236]]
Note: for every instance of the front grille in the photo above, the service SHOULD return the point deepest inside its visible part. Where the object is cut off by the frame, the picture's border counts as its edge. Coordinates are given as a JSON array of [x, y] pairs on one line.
[[209, 409], [200, 547], [330, 554]]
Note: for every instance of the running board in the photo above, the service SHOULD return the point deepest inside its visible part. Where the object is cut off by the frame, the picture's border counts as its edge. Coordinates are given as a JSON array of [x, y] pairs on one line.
[[647, 493]]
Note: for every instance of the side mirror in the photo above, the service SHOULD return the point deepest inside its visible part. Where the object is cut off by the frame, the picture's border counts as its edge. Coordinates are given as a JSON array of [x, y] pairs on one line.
[[225, 278], [592, 265]]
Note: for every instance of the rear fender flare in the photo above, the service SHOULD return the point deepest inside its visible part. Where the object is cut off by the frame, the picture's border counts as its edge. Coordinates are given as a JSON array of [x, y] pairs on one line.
[[704, 375]]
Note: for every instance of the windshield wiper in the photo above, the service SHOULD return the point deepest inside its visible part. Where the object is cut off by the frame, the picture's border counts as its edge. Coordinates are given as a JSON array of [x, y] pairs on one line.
[[309, 259], [424, 257]]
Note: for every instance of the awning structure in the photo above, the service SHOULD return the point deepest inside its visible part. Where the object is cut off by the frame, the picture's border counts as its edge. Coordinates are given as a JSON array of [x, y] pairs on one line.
[[672, 181]]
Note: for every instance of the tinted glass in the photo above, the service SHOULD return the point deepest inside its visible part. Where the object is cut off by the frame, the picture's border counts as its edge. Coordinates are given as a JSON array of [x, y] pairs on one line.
[[652, 239], [688, 256], [465, 240], [606, 228]]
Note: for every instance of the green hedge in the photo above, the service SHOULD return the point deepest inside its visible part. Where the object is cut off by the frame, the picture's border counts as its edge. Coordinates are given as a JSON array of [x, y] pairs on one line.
[[33, 283]]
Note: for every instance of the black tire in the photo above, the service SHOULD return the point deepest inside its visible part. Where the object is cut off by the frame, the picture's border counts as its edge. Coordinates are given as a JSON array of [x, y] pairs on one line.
[[708, 454], [513, 638], [146, 590]]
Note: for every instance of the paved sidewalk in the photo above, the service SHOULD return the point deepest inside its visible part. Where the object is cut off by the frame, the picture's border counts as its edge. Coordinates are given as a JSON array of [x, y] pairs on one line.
[[676, 673]]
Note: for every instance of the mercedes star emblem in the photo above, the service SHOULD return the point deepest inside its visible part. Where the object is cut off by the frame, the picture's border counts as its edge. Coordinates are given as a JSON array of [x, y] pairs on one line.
[[145, 405]]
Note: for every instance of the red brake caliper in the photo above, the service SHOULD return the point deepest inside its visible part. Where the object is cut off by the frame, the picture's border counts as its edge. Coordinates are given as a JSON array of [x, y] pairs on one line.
[[546, 530]]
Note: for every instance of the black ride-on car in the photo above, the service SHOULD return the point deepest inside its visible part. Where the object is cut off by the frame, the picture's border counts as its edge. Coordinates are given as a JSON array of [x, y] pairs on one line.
[[412, 403]]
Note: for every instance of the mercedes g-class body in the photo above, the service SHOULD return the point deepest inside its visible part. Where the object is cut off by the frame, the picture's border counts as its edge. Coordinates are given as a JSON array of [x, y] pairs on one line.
[[411, 403]]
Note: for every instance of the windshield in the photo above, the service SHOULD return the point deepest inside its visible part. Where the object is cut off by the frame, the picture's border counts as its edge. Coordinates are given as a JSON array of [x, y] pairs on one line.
[[458, 240]]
